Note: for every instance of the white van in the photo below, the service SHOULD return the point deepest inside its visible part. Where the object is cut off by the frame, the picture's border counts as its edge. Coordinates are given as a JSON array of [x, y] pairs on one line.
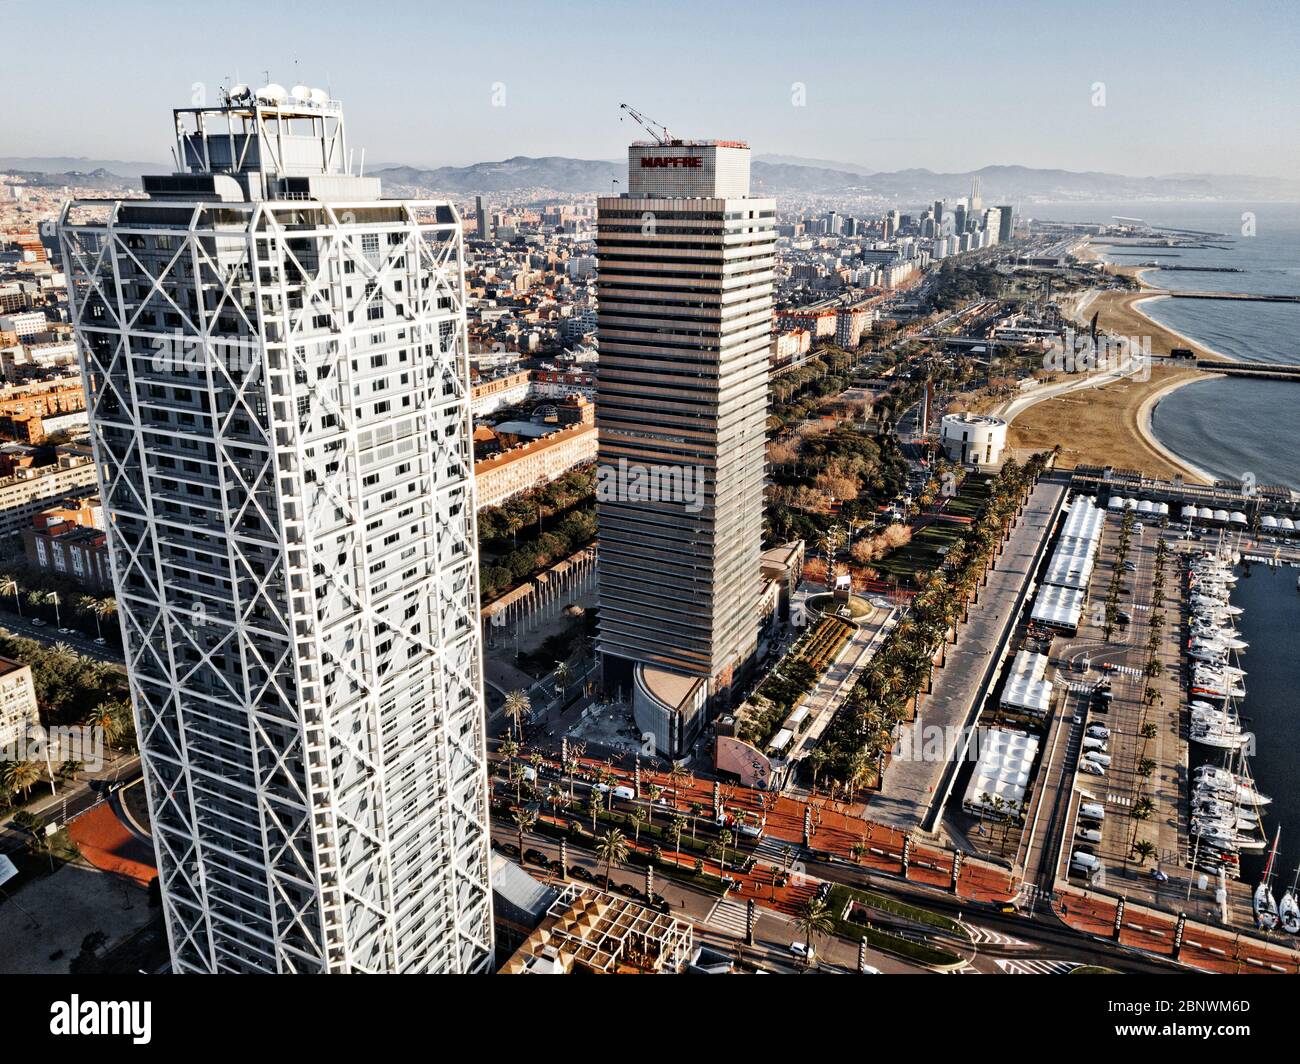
[[1093, 742], [1097, 759], [626, 793], [1090, 834], [1085, 861], [1093, 810]]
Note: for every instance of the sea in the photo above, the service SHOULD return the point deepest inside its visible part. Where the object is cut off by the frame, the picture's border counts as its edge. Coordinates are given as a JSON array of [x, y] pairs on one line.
[[1227, 426], [1233, 426]]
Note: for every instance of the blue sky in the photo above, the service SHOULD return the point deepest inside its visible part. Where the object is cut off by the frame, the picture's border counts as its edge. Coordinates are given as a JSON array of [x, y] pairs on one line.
[[1189, 86]]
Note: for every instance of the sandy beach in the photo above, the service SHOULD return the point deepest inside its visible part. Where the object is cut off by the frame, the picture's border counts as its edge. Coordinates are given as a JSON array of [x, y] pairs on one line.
[[1111, 425]]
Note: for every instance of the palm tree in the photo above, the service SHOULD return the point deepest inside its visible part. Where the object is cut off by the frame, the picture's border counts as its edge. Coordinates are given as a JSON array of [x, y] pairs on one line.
[[637, 819], [725, 839], [611, 848], [605, 776], [85, 605], [9, 586], [107, 716], [814, 920], [99, 608], [654, 793], [675, 828], [21, 775], [563, 673], [524, 819], [816, 760], [677, 775], [593, 807], [516, 707], [1145, 849]]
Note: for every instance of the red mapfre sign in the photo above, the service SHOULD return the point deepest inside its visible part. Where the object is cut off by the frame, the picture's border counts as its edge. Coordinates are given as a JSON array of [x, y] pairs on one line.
[[673, 162]]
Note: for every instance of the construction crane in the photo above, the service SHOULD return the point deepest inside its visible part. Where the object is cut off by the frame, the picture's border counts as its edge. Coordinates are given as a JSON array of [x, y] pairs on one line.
[[655, 129]]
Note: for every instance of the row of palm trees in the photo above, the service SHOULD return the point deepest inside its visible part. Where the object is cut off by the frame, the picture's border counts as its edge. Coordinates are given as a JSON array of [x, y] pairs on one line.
[[100, 608], [1143, 807], [853, 749]]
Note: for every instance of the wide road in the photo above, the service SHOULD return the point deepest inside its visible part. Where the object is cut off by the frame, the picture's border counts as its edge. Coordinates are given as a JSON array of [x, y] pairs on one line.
[[1043, 936]]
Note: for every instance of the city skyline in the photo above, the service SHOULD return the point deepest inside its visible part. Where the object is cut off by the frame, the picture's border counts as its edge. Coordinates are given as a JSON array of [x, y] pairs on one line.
[[866, 95]]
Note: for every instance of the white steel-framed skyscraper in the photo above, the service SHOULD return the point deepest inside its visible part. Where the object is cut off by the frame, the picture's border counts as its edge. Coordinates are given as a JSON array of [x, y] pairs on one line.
[[276, 366]]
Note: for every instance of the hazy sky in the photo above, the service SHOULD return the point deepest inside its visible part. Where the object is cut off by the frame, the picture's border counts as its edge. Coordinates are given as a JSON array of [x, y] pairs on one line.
[[1188, 86]]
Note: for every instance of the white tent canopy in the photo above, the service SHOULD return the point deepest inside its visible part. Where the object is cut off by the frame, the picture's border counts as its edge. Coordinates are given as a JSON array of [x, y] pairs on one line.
[[1006, 761], [1026, 688], [1058, 607]]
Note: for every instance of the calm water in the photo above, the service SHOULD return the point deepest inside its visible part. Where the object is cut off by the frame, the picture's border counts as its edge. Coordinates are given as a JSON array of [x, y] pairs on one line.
[[1269, 625], [1232, 426], [1228, 426]]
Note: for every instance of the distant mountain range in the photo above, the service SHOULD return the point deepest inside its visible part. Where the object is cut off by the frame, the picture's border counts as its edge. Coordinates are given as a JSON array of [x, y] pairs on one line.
[[787, 174], [56, 165], [773, 174]]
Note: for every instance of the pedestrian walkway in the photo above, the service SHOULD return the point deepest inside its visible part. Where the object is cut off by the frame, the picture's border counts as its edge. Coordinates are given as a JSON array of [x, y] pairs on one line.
[[912, 786]]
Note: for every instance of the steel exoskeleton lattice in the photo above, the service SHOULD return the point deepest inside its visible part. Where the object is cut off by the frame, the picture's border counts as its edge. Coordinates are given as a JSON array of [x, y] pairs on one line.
[[280, 415]]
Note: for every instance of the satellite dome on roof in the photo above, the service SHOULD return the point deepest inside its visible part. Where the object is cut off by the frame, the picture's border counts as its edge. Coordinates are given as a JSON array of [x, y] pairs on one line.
[[301, 93], [272, 93], [238, 92], [320, 97]]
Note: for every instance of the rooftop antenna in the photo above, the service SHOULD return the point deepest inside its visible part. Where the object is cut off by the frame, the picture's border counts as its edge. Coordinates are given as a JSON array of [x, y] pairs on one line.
[[655, 129]]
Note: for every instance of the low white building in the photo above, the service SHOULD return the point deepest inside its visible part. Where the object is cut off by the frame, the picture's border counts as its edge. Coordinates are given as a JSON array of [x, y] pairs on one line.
[[973, 439]]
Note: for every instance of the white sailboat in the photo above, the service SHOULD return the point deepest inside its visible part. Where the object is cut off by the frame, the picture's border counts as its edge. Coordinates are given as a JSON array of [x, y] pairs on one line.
[[1266, 911], [1288, 909]]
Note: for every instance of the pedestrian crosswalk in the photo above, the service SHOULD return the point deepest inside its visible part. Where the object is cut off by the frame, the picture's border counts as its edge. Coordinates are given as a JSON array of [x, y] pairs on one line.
[[1031, 967], [1086, 687], [728, 915], [983, 936], [776, 851], [965, 969]]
